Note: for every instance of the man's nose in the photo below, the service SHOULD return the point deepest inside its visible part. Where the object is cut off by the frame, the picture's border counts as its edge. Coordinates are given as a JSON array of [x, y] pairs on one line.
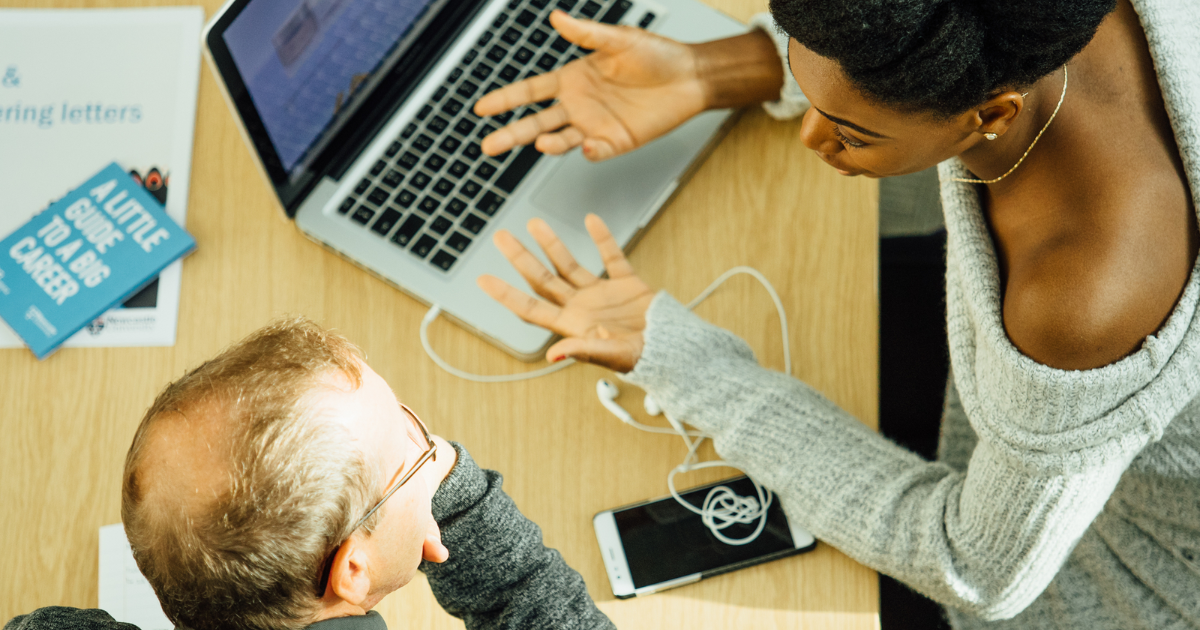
[[816, 132]]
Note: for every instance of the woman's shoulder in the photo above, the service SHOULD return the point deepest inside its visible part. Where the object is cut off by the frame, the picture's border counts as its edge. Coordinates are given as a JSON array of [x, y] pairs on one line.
[[1088, 293], [1116, 235]]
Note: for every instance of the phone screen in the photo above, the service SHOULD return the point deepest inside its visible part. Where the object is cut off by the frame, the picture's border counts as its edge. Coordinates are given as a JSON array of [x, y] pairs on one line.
[[664, 541]]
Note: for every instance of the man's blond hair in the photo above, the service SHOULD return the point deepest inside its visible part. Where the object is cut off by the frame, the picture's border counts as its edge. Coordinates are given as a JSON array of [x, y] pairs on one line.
[[291, 487]]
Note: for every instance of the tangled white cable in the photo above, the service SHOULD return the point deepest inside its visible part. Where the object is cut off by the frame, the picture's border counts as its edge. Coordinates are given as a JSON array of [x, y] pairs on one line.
[[722, 506]]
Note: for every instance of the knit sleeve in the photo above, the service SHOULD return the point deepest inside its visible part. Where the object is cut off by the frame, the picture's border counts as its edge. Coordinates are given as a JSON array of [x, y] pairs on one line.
[[956, 439], [791, 102], [986, 540], [499, 575]]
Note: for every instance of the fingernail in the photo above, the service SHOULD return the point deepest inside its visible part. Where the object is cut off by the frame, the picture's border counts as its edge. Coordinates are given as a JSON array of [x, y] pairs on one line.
[[558, 358]]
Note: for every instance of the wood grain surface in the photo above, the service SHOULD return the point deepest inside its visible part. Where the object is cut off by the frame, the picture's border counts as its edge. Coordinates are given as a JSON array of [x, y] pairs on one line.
[[761, 199]]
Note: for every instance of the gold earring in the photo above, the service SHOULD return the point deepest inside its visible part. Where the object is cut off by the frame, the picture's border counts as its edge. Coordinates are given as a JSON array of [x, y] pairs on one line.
[[990, 136]]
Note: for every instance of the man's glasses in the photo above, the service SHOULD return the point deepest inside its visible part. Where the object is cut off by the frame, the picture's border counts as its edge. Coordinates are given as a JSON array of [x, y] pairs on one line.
[[419, 434]]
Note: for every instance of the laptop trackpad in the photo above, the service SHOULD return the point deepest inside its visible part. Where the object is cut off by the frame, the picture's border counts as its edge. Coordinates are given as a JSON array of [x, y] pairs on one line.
[[620, 190]]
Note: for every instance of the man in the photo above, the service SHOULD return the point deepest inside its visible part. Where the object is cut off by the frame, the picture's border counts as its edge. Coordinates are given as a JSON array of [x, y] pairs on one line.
[[281, 485]]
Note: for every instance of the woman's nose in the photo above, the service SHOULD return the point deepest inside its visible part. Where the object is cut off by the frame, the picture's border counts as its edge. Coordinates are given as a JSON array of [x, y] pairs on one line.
[[816, 132]]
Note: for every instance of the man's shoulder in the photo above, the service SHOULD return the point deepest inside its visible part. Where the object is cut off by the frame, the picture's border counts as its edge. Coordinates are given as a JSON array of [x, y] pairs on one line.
[[370, 621], [64, 617]]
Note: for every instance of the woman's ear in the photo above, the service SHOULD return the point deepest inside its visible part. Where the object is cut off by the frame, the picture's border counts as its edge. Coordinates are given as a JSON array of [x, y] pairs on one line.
[[999, 113], [350, 577]]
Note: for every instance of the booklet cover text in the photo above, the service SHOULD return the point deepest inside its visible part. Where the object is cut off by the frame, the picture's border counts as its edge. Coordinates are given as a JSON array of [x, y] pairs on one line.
[[83, 254]]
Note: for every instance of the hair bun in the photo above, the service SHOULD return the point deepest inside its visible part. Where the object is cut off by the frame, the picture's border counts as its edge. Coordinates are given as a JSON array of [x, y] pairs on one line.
[[943, 56]]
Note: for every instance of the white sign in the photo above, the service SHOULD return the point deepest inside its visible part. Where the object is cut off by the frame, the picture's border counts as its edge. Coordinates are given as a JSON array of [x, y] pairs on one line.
[[124, 592], [80, 89]]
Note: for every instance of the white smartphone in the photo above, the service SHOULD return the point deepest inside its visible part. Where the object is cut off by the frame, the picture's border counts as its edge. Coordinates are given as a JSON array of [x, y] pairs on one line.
[[655, 545]]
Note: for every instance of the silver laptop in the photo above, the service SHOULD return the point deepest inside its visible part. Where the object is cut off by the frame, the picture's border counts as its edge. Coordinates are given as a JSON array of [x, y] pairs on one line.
[[359, 113]]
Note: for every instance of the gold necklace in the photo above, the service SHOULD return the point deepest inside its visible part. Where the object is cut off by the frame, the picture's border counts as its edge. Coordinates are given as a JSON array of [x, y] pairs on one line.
[[1035, 139]]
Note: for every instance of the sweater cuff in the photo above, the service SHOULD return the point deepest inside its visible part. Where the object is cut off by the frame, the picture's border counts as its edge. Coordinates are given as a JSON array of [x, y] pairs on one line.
[[682, 350], [461, 489], [792, 101]]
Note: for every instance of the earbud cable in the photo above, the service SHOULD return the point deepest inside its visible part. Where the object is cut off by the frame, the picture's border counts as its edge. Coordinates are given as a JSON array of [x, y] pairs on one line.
[[436, 310], [479, 378], [722, 506]]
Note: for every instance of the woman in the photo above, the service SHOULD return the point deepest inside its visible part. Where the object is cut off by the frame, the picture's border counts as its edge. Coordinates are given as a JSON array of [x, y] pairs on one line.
[[1067, 490]]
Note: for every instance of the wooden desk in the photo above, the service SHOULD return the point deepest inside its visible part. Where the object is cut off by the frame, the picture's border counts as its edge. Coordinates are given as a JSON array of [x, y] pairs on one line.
[[761, 199]]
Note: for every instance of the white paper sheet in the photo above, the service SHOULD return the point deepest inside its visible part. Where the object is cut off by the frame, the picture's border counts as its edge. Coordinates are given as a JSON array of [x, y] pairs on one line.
[[124, 592], [80, 88]]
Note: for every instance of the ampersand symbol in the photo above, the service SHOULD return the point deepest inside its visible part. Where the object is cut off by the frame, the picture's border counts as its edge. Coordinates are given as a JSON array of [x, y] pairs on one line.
[[11, 79]]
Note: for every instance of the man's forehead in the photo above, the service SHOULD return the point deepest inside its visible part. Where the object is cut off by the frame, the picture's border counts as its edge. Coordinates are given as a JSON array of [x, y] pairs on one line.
[[370, 413], [339, 397]]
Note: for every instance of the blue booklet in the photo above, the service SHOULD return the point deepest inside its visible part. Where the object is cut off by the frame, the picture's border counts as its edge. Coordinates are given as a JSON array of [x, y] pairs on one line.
[[85, 253]]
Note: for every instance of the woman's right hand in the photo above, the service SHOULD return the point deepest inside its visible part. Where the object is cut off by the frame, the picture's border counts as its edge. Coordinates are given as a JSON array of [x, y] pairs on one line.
[[601, 320], [635, 87]]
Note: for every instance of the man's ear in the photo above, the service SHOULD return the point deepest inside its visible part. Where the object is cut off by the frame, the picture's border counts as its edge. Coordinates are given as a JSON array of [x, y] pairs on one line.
[[350, 577], [433, 550], [999, 113]]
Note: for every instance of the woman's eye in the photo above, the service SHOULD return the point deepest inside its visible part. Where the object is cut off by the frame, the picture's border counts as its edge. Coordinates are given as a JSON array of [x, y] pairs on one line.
[[837, 131]]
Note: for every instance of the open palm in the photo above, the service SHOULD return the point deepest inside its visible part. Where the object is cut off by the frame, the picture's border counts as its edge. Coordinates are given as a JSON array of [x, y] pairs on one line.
[[601, 320], [634, 87]]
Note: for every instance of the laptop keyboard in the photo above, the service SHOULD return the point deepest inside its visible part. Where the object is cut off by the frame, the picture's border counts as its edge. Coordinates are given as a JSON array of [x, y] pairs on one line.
[[433, 191]]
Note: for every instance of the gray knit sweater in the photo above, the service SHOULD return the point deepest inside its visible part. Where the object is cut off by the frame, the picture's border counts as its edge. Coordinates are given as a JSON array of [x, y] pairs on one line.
[[1061, 499]]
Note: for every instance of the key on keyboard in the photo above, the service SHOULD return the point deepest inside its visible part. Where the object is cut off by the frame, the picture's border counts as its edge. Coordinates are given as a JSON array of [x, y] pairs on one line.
[[424, 245], [419, 181], [443, 259], [428, 205], [385, 222], [440, 225], [444, 138], [435, 162], [516, 171], [466, 89], [409, 229], [363, 214]]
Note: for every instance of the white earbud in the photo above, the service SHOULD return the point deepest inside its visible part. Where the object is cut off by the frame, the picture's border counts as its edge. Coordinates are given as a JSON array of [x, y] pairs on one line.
[[607, 392], [722, 506]]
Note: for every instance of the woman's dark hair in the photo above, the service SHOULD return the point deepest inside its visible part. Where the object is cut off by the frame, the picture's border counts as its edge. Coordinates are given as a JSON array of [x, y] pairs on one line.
[[942, 56]]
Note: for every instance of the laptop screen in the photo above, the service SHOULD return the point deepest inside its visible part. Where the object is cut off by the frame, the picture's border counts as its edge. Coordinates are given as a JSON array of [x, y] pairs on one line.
[[307, 64]]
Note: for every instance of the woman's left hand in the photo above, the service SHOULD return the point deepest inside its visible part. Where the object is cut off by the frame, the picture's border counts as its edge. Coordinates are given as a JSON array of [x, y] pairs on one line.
[[601, 320]]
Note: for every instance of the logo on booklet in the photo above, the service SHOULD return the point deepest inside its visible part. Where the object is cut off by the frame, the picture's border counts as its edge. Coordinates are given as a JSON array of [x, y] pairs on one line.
[[96, 326], [35, 315]]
